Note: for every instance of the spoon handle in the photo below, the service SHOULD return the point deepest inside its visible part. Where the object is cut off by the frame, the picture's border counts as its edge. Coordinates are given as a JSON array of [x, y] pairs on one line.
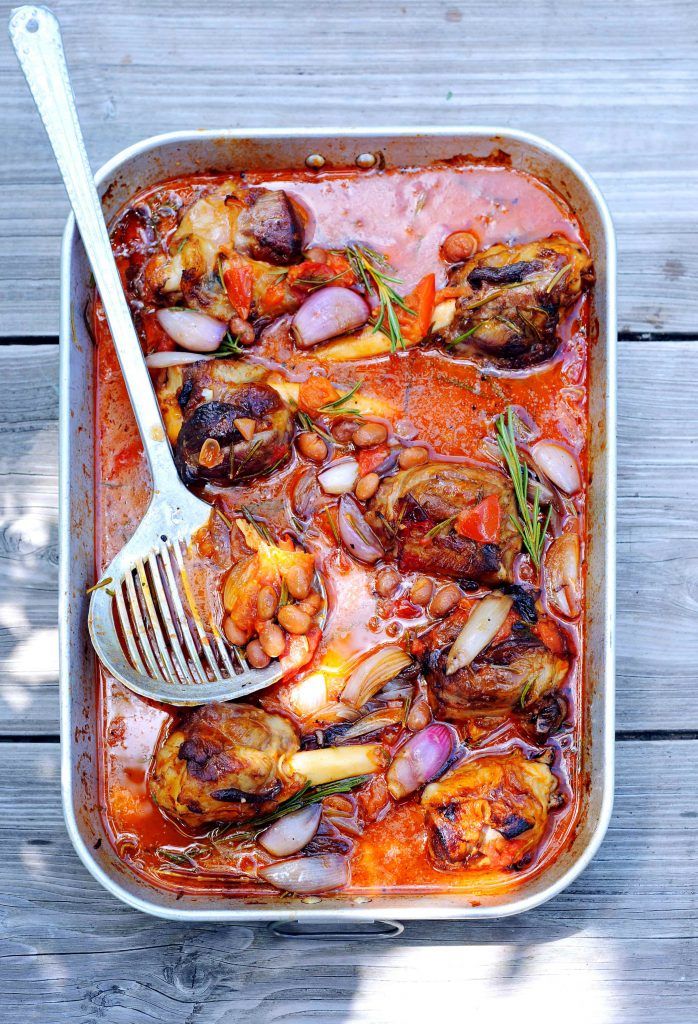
[[36, 37]]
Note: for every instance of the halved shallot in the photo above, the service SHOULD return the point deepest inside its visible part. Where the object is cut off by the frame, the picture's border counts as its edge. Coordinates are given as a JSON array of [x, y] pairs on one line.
[[339, 477], [357, 536], [561, 573], [373, 673], [308, 874], [420, 759], [291, 833], [485, 620], [163, 360], [197, 332], [373, 722], [559, 465], [328, 313]]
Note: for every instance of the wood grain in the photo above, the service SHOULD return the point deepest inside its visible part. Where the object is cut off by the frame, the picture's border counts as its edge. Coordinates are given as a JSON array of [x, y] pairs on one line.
[[657, 537], [618, 946], [615, 84]]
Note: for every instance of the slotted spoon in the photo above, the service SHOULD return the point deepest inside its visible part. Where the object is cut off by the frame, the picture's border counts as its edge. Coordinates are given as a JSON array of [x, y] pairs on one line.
[[144, 622]]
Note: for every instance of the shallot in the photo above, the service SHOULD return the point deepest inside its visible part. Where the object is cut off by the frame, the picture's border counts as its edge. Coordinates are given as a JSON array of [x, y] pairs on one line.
[[561, 573], [559, 465], [163, 360], [373, 673], [420, 759], [357, 536], [194, 331], [328, 313], [308, 874], [484, 622], [291, 833]]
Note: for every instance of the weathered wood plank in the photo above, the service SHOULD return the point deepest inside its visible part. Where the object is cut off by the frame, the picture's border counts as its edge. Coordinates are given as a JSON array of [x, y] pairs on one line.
[[616, 86], [657, 537], [618, 946]]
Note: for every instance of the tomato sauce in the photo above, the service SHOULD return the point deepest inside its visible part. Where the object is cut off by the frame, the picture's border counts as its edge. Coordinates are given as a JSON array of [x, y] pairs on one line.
[[449, 405]]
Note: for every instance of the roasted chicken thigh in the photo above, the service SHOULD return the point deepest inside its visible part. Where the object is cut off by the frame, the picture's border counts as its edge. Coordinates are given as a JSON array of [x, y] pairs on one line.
[[232, 762], [490, 812], [429, 517], [510, 300], [524, 662]]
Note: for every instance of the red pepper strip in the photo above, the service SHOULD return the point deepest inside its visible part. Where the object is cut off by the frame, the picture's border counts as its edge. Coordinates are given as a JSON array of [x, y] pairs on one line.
[[480, 523], [238, 280], [421, 301]]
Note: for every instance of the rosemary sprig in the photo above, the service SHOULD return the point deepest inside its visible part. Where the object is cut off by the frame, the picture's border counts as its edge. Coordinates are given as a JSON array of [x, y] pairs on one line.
[[496, 294], [314, 283], [333, 525], [306, 796], [253, 449], [529, 323], [524, 693], [461, 337], [261, 528], [562, 272], [371, 269], [230, 346], [275, 465], [406, 710], [308, 424], [221, 515], [444, 524], [508, 323], [529, 524], [331, 407], [296, 523]]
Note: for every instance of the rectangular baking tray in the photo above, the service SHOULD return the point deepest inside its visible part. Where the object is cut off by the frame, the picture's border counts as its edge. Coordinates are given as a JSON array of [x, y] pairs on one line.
[[179, 153]]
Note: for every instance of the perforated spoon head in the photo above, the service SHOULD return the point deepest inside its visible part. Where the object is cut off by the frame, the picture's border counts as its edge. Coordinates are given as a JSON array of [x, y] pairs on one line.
[[144, 622]]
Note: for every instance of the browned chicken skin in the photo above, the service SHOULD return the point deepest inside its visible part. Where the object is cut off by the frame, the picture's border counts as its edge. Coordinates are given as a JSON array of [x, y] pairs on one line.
[[515, 671], [234, 762], [223, 763], [261, 226], [490, 812], [408, 506], [512, 300], [238, 458]]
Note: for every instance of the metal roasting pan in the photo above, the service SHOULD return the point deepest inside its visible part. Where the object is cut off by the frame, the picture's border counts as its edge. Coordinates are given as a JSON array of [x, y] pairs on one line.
[[178, 153]]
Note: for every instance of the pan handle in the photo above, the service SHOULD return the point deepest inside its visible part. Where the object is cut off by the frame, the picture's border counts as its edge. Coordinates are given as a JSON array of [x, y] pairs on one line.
[[333, 931]]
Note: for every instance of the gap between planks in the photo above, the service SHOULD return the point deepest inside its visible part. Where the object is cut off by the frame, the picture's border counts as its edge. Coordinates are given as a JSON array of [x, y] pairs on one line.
[[621, 736], [639, 336]]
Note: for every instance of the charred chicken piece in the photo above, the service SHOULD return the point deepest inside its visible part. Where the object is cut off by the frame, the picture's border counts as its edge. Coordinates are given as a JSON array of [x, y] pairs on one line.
[[424, 517], [245, 232], [230, 433], [233, 762], [525, 662], [512, 299], [184, 387], [268, 228], [490, 813]]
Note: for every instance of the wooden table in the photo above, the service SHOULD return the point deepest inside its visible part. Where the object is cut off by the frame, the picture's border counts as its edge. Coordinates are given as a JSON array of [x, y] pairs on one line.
[[615, 84]]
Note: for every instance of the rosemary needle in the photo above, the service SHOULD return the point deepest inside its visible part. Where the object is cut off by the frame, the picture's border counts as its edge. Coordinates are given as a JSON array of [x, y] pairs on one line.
[[529, 523], [372, 268]]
